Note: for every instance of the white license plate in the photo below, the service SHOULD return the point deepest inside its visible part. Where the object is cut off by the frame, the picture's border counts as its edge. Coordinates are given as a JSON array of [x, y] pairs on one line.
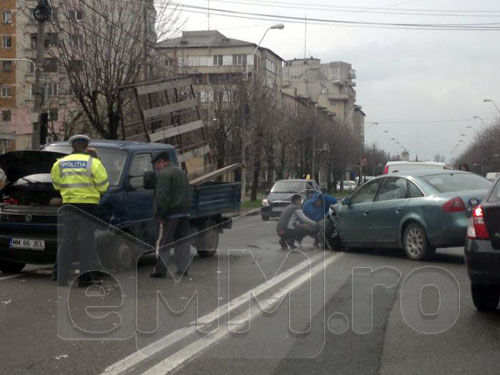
[[278, 209], [23, 243]]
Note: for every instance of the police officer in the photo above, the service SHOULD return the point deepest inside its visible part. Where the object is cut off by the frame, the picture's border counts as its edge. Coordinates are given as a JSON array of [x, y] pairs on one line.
[[81, 180]]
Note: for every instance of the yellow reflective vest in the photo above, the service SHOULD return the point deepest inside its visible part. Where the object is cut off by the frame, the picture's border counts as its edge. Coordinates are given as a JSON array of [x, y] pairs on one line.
[[79, 178]]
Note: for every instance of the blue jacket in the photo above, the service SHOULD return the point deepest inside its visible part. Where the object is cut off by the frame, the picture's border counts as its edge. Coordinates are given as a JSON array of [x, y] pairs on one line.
[[318, 213]]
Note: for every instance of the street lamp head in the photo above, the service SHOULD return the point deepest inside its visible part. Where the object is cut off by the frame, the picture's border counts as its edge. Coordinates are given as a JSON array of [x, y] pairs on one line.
[[487, 100], [476, 117], [278, 26]]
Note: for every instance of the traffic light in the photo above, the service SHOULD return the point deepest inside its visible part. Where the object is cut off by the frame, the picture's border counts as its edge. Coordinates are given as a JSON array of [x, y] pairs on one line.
[[44, 127]]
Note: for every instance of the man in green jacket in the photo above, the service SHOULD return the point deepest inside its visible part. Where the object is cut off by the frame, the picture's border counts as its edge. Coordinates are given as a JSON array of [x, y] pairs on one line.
[[171, 203]]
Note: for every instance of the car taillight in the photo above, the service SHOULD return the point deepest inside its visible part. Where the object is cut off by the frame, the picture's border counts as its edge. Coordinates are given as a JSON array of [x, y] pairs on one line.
[[11, 200], [477, 228], [386, 169], [454, 205]]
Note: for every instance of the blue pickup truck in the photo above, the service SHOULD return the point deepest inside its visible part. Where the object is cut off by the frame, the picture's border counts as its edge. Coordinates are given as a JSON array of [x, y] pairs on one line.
[[29, 219]]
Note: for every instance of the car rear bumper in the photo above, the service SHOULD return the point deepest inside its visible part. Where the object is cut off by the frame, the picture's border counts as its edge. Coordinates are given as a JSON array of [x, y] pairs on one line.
[[483, 262]]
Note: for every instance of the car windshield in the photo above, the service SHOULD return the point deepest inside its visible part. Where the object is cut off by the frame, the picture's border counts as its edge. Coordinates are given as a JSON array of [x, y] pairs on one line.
[[452, 182], [112, 159], [291, 186]]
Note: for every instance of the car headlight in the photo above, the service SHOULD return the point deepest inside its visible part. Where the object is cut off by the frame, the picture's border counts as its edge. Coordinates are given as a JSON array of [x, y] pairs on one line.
[[265, 202]]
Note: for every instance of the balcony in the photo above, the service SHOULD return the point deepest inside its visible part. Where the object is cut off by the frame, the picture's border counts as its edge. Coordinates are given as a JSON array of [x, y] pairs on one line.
[[343, 97]]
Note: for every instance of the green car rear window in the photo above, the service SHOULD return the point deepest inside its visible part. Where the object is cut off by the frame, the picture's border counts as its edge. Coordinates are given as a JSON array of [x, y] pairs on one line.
[[452, 182]]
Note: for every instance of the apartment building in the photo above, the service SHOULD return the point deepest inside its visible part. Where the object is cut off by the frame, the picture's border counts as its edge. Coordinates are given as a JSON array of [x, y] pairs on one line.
[[213, 60], [18, 44], [329, 85]]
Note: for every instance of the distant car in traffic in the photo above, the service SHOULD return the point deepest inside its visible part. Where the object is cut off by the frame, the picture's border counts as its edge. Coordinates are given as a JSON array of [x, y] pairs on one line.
[[407, 166], [482, 251], [418, 211], [492, 176], [281, 194], [349, 186]]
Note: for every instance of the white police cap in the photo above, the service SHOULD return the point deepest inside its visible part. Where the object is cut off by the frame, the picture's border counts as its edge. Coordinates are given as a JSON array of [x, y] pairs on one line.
[[79, 138]]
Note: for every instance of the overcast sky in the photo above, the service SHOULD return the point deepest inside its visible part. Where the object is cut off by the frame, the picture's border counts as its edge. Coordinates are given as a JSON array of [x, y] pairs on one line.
[[421, 86]]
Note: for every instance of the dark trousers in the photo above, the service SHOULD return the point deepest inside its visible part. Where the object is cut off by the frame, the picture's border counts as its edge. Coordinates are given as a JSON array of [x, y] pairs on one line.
[[173, 233], [78, 238], [298, 233]]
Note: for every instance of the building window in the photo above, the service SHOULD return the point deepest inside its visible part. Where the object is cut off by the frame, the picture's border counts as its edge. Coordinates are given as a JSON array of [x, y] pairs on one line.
[[7, 42], [218, 59], [7, 16], [51, 89], [6, 66], [6, 91], [239, 59], [6, 115], [75, 15], [54, 115]]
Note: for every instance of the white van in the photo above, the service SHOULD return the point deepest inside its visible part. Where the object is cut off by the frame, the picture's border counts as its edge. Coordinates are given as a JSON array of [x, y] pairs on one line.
[[405, 166]]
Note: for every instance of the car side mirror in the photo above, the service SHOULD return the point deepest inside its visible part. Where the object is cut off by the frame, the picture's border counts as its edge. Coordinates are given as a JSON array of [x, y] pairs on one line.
[[346, 202], [149, 180]]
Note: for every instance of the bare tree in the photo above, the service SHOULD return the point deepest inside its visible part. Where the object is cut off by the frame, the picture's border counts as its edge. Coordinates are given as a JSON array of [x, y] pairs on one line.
[[104, 45]]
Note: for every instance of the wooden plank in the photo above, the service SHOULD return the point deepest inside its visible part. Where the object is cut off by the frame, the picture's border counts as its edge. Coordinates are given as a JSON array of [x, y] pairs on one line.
[[213, 175], [137, 138], [193, 154], [172, 131], [167, 109], [162, 86]]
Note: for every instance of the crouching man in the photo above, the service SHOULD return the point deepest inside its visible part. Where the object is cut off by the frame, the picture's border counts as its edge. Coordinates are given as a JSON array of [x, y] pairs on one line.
[[294, 225]]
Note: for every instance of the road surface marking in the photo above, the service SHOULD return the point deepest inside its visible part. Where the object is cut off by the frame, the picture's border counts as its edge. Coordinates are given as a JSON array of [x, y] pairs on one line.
[[183, 356], [174, 337], [10, 277]]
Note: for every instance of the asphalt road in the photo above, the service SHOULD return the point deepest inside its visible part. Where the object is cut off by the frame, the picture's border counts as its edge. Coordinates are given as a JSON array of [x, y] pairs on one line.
[[255, 309]]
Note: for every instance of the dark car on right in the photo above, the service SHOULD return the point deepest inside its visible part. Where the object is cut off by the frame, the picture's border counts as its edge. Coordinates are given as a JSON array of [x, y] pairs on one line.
[[482, 251]]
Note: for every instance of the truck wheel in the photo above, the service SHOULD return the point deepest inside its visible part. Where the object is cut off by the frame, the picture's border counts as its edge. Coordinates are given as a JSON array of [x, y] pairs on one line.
[[208, 241], [415, 243], [265, 218], [121, 256], [485, 298], [11, 267]]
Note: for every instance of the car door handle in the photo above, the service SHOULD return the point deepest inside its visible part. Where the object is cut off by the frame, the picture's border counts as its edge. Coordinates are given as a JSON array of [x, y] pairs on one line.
[[399, 210]]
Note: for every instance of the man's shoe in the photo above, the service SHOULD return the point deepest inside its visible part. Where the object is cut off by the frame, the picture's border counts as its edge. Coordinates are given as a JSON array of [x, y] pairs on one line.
[[283, 244], [157, 275]]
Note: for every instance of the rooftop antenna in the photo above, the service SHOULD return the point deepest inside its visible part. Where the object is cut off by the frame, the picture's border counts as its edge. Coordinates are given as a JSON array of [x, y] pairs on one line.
[[208, 14]]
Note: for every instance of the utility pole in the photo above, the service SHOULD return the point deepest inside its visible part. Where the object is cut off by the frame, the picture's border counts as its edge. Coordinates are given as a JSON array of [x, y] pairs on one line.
[[41, 14]]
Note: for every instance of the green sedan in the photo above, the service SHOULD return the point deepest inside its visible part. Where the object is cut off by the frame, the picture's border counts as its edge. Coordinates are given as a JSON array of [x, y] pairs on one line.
[[417, 211]]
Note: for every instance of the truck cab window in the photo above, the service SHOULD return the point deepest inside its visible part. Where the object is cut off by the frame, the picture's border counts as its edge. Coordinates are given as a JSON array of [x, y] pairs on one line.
[[141, 163]]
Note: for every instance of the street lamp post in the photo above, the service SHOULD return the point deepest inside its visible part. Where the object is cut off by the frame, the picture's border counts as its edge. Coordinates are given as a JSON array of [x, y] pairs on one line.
[[493, 102], [278, 26], [480, 119]]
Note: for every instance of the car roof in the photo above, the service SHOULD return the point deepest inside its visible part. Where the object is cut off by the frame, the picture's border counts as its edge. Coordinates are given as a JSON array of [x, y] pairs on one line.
[[122, 145], [434, 163], [296, 180], [425, 172]]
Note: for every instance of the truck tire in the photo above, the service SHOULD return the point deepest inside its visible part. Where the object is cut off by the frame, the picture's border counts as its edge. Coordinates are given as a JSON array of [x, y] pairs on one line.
[[485, 298], [416, 244], [265, 218], [208, 241], [11, 267], [121, 256]]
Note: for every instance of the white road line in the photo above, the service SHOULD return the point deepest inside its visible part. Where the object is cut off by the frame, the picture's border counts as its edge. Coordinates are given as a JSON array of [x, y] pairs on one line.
[[185, 355], [10, 277], [135, 358]]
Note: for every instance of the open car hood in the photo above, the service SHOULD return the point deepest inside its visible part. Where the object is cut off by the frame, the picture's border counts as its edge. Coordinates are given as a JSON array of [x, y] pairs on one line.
[[19, 164]]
